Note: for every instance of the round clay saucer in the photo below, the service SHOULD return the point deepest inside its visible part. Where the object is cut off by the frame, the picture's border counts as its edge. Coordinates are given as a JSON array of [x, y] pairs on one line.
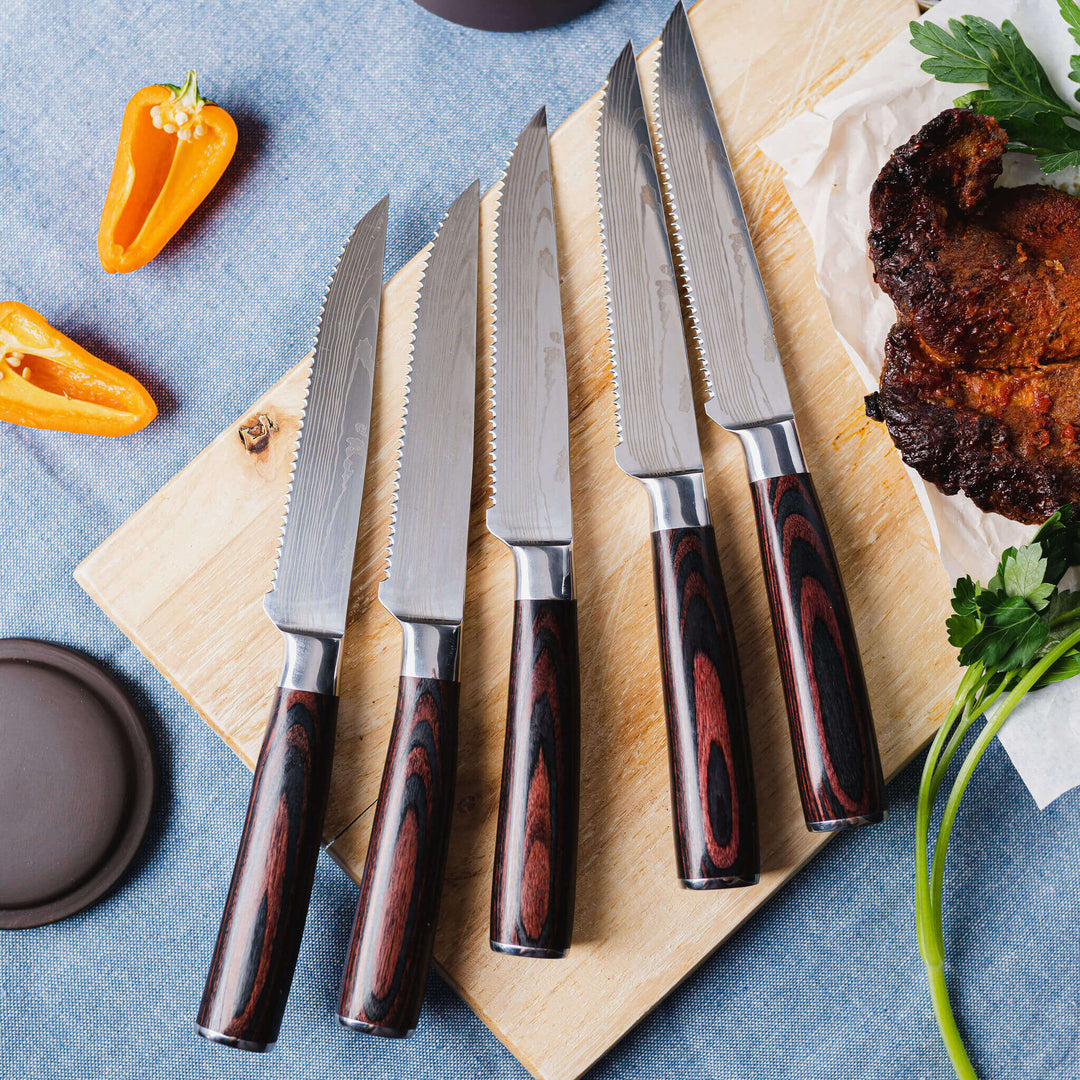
[[77, 783]]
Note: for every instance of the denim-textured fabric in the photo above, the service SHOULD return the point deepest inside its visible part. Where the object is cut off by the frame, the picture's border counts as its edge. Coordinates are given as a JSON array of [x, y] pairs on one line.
[[339, 101]]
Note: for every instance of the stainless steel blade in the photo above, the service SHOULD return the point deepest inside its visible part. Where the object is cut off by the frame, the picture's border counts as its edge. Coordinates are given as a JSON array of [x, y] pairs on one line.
[[310, 594], [722, 283], [530, 447], [425, 571], [654, 401]]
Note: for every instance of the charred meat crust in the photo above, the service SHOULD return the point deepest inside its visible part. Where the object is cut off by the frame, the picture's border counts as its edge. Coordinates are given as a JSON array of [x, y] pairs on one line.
[[959, 448], [980, 389]]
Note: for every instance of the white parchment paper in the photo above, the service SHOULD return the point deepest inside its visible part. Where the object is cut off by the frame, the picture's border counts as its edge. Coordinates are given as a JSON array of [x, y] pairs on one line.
[[831, 157]]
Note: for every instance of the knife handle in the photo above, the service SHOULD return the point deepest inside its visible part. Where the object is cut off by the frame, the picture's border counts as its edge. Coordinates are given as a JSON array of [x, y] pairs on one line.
[[532, 892], [712, 782], [263, 921], [382, 986], [832, 732]]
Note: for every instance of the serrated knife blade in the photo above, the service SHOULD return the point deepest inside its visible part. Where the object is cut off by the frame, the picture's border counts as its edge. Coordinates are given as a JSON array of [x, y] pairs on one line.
[[654, 399], [725, 295], [712, 785], [425, 571], [382, 985], [538, 802], [832, 732], [261, 927], [530, 449], [310, 593]]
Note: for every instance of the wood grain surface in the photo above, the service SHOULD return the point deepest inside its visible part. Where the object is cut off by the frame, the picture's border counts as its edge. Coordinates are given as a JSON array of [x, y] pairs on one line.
[[832, 732], [386, 969], [263, 921], [714, 809], [535, 868], [197, 611]]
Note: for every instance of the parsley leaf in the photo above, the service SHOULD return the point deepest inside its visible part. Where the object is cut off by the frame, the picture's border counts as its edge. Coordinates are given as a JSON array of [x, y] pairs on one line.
[[1020, 613], [953, 58], [961, 629], [1071, 14], [1018, 94], [1010, 636], [1059, 538], [1023, 577]]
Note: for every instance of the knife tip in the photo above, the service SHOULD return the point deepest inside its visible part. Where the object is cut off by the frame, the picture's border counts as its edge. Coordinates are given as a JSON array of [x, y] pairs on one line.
[[627, 58], [377, 215], [678, 15], [623, 73], [468, 202]]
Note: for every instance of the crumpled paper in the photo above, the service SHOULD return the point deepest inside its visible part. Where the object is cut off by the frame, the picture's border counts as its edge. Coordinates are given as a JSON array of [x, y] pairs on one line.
[[831, 157]]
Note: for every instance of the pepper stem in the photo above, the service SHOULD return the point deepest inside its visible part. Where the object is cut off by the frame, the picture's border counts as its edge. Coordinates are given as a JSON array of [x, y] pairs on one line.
[[187, 96]]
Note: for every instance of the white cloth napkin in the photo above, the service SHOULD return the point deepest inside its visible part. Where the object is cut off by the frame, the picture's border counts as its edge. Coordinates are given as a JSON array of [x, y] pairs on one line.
[[831, 157]]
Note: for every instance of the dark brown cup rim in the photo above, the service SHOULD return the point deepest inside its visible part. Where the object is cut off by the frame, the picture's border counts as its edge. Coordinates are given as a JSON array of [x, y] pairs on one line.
[[131, 726], [508, 16]]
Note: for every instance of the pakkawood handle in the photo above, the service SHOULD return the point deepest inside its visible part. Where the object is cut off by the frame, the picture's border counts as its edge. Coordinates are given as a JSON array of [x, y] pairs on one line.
[[532, 892], [712, 783], [382, 987], [263, 922], [832, 731]]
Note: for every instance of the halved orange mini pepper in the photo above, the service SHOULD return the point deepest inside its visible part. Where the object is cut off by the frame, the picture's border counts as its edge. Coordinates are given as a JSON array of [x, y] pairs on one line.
[[47, 381], [174, 146]]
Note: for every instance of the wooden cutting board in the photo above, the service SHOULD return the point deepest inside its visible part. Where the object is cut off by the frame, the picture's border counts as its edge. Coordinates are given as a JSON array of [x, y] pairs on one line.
[[184, 578]]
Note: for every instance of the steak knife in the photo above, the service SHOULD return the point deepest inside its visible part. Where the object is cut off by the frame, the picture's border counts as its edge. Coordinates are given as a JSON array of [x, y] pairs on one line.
[[382, 986], [832, 732], [268, 898], [532, 893], [712, 785]]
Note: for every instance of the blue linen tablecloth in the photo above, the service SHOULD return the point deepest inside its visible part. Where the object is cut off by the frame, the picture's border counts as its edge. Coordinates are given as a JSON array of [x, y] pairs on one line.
[[337, 103]]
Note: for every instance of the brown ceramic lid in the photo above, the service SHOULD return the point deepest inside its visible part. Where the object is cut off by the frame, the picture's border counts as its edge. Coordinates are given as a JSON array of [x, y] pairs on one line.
[[77, 783], [508, 15]]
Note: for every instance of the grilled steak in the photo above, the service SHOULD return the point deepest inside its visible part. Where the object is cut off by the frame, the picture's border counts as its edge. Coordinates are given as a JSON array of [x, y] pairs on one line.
[[980, 388]]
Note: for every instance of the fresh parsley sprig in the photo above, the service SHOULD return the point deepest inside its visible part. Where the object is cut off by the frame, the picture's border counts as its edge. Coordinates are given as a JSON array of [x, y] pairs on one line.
[[1018, 94], [1018, 632]]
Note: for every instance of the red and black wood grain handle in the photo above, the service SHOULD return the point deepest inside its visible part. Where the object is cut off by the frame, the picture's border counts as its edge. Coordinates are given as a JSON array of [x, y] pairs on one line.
[[832, 731], [263, 921], [712, 783], [382, 987], [532, 893]]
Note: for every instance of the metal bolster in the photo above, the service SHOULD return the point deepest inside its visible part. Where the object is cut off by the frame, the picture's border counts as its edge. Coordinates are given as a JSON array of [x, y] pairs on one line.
[[544, 571], [772, 450], [311, 663], [430, 650], [678, 501]]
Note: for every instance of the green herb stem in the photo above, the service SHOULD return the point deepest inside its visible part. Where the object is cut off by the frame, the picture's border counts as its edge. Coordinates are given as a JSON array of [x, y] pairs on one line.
[[928, 944], [946, 1021], [1065, 616], [967, 707], [1007, 632], [971, 714], [967, 768]]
